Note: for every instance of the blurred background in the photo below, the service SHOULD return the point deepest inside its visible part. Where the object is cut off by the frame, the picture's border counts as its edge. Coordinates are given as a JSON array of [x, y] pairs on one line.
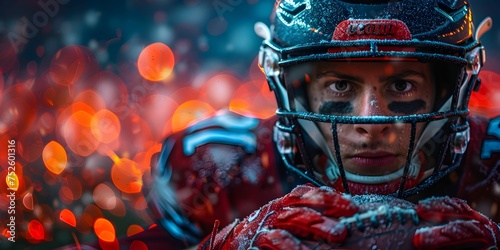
[[89, 89]]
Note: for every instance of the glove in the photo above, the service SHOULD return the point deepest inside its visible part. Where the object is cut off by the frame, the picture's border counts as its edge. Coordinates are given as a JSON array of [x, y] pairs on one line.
[[305, 218], [458, 226]]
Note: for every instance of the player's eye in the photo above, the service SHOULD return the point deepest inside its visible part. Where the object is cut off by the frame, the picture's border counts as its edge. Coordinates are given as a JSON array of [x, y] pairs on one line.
[[340, 87], [401, 87]]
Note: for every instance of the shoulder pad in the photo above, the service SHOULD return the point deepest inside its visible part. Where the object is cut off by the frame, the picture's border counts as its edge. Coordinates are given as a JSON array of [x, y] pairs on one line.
[[222, 153], [225, 130]]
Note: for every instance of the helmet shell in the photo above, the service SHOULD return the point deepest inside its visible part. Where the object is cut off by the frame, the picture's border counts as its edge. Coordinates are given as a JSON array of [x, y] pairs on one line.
[[299, 22]]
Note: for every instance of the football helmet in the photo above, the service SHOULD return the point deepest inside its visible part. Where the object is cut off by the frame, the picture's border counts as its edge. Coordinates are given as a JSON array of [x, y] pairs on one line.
[[438, 32]]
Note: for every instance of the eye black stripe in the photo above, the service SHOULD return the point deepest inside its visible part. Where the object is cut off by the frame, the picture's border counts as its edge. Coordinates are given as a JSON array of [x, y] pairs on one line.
[[335, 108], [407, 108]]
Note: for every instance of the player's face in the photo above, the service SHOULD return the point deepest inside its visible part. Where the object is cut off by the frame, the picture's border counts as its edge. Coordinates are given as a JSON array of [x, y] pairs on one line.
[[371, 89]]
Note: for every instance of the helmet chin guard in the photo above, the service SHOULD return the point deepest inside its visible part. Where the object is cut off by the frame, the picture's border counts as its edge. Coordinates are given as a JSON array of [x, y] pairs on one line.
[[432, 31]]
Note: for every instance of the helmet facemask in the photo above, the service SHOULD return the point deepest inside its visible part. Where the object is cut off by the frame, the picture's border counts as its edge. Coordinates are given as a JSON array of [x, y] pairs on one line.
[[430, 138]]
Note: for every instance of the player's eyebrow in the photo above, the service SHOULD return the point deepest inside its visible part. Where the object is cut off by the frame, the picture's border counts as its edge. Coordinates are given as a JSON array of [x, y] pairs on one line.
[[402, 75], [389, 78], [343, 76]]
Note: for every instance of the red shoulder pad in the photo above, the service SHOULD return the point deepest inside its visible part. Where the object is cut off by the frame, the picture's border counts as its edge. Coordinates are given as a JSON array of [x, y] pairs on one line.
[[480, 184], [220, 168]]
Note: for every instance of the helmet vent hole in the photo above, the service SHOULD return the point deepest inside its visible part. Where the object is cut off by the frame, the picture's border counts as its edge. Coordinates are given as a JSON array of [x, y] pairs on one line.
[[293, 10]]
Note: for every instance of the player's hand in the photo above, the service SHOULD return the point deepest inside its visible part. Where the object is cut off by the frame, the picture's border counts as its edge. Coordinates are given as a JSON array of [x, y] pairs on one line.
[[303, 219], [458, 226]]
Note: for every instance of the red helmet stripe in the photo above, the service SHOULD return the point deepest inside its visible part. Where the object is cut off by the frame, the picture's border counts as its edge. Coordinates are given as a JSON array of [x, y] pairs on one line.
[[381, 29]]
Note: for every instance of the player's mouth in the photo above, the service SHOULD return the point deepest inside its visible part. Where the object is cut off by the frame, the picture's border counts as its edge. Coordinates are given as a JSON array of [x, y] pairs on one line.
[[373, 159]]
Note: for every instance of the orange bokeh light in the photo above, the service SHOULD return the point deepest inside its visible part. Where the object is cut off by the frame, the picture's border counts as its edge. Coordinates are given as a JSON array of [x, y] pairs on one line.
[[134, 229], [127, 175], [105, 126], [253, 99], [54, 157], [104, 230], [67, 217], [255, 72], [144, 158], [189, 112], [15, 181], [156, 62], [78, 106], [12, 181]]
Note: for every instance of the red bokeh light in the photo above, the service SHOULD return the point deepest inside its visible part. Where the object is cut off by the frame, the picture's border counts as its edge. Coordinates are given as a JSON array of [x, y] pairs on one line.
[[90, 98], [72, 64], [136, 133], [156, 110], [110, 88], [486, 101], [219, 89], [104, 197], [138, 245], [8, 57], [30, 146], [78, 135], [18, 110], [36, 230]]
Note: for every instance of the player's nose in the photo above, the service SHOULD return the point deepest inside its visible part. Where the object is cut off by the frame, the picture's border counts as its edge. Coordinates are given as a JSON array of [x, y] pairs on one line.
[[371, 104]]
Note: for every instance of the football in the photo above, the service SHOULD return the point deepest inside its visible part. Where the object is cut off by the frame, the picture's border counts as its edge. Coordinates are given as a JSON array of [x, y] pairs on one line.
[[383, 222]]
